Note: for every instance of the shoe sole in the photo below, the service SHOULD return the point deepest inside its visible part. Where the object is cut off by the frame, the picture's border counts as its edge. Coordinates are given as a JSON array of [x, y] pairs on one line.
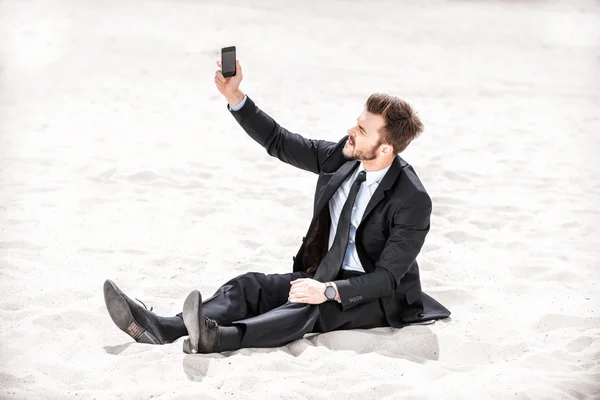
[[121, 314], [191, 319]]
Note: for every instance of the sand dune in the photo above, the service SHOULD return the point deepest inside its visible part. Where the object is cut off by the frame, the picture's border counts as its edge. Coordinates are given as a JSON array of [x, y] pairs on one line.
[[118, 159]]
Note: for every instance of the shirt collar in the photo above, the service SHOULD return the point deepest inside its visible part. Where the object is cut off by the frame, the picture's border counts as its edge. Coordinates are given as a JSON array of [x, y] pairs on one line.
[[373, 176]]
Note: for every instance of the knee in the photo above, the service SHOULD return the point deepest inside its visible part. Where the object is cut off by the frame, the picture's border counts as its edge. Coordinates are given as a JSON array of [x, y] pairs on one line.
[[249, 279], [251, 276]]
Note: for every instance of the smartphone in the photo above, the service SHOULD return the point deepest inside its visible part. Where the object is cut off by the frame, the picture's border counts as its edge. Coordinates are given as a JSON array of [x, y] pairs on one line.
[[228, 61]]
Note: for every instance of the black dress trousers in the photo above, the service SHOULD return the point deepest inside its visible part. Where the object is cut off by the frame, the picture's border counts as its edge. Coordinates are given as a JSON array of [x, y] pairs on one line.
[[258, 304]]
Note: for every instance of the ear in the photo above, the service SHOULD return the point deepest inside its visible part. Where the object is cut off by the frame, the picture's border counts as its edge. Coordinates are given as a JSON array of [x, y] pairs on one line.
[[387, 149]]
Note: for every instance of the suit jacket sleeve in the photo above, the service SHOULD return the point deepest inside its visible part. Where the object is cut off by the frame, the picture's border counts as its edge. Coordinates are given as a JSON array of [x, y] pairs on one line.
[[288, 147], [407, 235]]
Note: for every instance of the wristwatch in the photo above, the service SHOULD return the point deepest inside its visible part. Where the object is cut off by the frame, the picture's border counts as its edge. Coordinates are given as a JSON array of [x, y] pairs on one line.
[[330, 291]]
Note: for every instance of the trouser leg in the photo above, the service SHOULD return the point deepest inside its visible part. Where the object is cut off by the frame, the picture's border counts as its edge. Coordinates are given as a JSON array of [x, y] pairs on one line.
[[292, 321], [248, 295], [362, 316]]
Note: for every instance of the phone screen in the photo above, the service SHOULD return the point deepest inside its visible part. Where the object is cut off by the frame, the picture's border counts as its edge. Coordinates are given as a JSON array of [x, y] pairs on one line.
[[228, 64]]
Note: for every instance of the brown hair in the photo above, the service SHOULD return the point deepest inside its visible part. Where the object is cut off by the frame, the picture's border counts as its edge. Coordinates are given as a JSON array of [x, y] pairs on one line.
[[401, 123]]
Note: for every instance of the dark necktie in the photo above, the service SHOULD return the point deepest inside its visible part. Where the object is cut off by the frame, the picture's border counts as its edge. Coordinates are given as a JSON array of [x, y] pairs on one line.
[[330, 266]]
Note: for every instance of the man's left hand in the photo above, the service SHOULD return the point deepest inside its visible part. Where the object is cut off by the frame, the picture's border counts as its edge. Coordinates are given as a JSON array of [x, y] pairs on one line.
[[307, 291]]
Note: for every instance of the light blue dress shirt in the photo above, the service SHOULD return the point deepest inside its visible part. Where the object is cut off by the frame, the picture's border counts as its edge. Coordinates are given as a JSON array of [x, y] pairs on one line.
[[336, 203], [239, 105]]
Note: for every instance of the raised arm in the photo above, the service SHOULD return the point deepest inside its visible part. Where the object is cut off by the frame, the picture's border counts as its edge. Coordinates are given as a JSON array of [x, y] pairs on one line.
[[291, 148]]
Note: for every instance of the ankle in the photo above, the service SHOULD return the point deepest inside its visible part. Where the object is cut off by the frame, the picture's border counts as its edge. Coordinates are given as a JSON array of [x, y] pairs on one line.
[[229, 338], [172, 328]]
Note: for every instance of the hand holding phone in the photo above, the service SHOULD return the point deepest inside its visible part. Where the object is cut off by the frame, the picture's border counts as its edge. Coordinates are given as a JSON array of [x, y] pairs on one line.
[[229, 76]]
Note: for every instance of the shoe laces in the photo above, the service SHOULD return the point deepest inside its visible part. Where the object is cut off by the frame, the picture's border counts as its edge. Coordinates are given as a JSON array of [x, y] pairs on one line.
[[151, 308], [210, 323]]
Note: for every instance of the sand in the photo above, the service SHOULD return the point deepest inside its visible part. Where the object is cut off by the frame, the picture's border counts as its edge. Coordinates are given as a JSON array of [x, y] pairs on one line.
[[119, 160]]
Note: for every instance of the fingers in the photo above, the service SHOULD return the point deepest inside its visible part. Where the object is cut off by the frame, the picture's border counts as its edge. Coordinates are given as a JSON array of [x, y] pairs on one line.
[[298, 291], [298, 297], [238, 68], [298, 300], [219, 78]]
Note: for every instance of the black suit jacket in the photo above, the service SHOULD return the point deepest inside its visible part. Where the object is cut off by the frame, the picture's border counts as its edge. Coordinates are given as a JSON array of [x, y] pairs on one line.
[[389, 236]]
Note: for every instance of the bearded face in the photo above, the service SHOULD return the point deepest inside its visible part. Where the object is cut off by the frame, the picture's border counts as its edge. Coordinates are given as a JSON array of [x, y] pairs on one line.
[[365, 153], [364, 138]]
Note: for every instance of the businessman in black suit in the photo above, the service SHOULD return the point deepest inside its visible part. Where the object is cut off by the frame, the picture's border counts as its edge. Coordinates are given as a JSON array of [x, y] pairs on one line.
[[356, 267]]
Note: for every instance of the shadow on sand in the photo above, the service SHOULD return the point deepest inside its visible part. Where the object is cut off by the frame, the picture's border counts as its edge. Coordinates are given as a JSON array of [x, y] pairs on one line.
[[416, 343]]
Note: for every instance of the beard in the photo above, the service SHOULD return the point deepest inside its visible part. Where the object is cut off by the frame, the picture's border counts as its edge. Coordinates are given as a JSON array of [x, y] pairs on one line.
[[352, 153]]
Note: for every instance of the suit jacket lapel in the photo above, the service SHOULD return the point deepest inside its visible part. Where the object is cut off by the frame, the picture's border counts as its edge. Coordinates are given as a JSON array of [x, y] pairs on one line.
[[386, 183], [334, 183]]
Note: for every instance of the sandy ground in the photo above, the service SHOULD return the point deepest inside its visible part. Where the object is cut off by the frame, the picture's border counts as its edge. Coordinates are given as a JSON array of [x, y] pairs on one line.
[[118, 159]]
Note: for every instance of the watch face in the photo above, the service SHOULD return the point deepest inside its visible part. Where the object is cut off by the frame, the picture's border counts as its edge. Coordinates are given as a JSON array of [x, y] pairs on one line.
[[330, 292]]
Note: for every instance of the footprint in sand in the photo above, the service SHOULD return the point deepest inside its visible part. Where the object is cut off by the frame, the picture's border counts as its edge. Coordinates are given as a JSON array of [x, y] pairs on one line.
[[144, 176], [96, 251], [458, 237], [456, 177], [107, 174], [429, 247], [203, 175], [443, 210], [21, 245], [201, 211], [443, 200], [572, 224], [131, 251], [552, 322], [293, 200], [8, 381], [559, 276], [250, 244], [530, 272], [587, 212], [248, 231], [490, 224], [265, 166], [581, 343], [93, 201], [193, 184], [505, 208], [453, 296]]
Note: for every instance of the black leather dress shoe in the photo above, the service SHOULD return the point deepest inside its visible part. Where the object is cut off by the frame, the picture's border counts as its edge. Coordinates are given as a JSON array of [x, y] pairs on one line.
[[136, 321], [203, 332]]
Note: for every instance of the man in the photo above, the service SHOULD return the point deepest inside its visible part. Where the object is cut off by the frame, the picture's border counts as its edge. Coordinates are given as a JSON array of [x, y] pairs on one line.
[[356, 267]]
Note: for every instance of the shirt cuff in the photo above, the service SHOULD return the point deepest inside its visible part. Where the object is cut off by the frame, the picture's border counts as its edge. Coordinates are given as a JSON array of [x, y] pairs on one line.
[[239, 105]]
